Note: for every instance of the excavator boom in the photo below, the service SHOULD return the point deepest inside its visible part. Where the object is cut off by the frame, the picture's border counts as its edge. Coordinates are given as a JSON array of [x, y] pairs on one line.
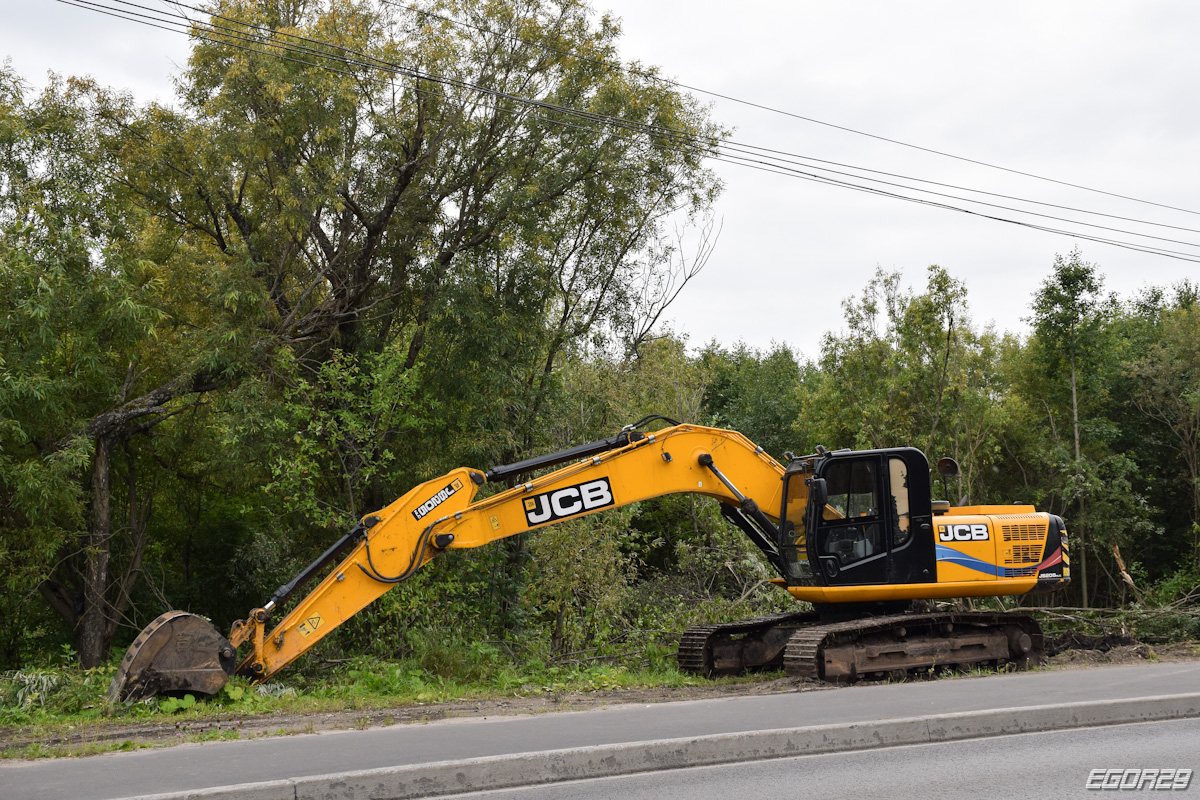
[[390, 545]]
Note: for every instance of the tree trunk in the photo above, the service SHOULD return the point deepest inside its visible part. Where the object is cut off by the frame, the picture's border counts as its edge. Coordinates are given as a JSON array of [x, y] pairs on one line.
[[93, 638], [1081, 526], [512, 583], [139, 520], [1190, 452]]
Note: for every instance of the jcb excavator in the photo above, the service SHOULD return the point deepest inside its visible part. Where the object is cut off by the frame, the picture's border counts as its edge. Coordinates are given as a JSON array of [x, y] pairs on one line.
[[854, 533]]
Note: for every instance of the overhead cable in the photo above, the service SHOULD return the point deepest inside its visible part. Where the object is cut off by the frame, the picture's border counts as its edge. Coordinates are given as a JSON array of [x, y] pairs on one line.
[[708, 146], [676, 84]]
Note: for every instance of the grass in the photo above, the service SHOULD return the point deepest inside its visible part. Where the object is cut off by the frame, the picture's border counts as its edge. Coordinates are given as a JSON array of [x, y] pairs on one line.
[[63, 711]]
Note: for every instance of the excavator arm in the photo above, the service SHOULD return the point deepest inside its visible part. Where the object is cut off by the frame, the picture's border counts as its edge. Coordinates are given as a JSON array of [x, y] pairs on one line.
[[443, 514]]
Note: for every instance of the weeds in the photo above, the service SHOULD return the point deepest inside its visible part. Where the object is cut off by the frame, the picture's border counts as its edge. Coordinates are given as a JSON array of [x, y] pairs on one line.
[[28, 696], [47, 712]]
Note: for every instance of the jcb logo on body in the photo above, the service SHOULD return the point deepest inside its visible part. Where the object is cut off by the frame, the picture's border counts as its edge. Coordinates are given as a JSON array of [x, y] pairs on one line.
[[976, 532], [568, 501]]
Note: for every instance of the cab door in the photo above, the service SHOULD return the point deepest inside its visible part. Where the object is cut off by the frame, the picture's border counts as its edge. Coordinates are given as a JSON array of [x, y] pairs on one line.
[[850, 545], [875, 526], [913, 551]]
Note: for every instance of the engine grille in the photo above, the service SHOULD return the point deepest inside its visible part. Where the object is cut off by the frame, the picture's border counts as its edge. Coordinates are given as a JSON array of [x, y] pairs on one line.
[[1030, 529], [1020, 560], [1025, 554]]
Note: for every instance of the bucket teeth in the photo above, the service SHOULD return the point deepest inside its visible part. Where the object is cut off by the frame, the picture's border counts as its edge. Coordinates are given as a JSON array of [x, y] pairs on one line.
[[177, 652]]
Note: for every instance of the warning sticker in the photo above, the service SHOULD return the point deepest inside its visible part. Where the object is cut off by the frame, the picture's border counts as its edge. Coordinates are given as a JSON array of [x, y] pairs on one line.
[[309, 625]]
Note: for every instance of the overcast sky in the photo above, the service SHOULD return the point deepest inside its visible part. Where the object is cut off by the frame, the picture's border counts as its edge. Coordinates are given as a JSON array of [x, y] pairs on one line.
[[1094, 93]]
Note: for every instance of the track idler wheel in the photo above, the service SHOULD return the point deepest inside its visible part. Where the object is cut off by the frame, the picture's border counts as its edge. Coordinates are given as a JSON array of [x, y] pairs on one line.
[[178, 652]]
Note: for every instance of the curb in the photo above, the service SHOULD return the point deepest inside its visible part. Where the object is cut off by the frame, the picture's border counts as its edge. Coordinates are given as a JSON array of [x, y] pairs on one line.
[[553, 766]]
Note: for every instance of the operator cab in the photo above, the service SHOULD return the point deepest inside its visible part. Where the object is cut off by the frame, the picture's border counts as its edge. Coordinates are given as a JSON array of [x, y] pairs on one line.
[[855, 518]]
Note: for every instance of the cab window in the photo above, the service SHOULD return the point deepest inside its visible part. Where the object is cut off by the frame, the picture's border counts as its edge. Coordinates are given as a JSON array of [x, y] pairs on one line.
[[852, 491], [794, 543], [851, 525], [901, 514]]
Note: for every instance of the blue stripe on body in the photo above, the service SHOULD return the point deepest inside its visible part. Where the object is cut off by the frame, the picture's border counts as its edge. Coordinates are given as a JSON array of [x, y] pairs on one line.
[[952, 556]]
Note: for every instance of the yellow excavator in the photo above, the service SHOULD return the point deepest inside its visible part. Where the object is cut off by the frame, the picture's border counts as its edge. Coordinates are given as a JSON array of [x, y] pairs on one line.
[[855, 533]]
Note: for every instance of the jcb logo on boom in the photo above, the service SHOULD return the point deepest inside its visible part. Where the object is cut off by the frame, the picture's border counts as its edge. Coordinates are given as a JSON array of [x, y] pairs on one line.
[[963, 533], [568, 501]]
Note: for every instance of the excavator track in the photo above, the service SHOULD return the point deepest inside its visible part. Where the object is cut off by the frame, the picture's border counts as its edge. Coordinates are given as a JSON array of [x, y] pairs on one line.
[[730, 648], [844, 652]]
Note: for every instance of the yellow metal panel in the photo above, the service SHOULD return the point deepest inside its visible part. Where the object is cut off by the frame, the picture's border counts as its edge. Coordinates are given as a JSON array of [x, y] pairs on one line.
[[964, 511], [911, 591], [966, 549]]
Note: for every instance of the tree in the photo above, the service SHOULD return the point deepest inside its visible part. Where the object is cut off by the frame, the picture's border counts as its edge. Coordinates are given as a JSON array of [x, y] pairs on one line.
[[365, 201], [904, 371], [78, 320], [1168, 380], [1067, 316], [756, 394], [381, 199]]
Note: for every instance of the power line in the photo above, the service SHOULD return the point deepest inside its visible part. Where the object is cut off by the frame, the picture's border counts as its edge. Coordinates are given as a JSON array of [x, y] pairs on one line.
[[691, 144], [763, 107], [588, 115], [774, 153], [727, 144]]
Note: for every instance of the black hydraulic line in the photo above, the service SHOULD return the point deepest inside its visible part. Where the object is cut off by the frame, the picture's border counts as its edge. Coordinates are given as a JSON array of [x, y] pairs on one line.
[[325, 559], [418, 556], [646, 420], [570, 454], [628, 435], [765, 534]]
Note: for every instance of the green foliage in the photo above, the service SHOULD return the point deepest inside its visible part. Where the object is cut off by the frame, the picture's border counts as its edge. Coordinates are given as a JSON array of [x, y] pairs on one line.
[[39, 694], [1166, 391], [337, 435], [1178, 589], [1068, 311], [171, 705], [77, 312], [905, 370], [582, 574], [277, 305], [756, 394]]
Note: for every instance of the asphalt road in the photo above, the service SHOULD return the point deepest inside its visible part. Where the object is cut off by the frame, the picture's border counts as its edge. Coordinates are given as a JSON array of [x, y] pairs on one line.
[[1021, 767], [196, 766]]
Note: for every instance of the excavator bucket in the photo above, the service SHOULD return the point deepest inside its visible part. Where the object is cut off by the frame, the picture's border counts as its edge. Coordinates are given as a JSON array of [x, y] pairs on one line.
[[178, 652]]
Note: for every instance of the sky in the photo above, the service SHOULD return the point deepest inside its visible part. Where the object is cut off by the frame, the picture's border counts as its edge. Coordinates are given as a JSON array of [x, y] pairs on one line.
[[1100, 94]]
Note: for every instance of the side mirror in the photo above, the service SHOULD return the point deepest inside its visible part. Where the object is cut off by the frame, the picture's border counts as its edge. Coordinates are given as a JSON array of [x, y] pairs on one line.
[[947, 467]]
